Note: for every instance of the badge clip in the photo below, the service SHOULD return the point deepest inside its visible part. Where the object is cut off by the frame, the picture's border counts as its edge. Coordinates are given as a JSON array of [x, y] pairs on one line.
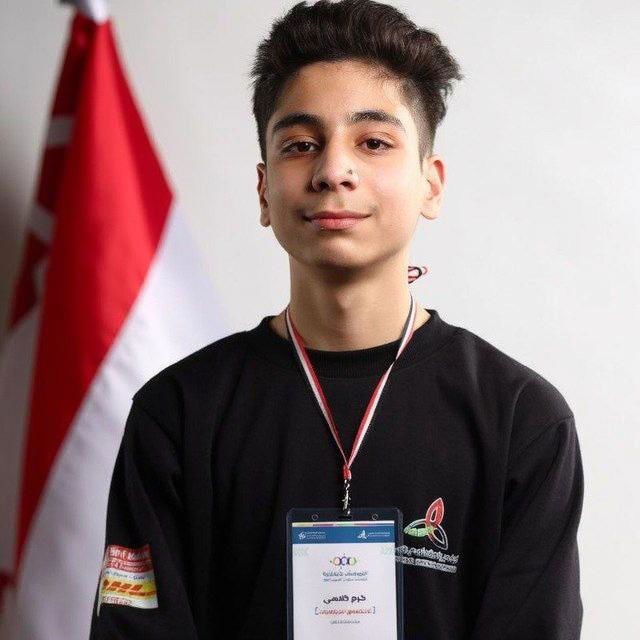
[[346, 507]]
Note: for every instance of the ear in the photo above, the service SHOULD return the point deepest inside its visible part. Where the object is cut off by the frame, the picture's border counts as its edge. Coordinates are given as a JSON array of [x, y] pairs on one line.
[[434, 177], [263, 194]]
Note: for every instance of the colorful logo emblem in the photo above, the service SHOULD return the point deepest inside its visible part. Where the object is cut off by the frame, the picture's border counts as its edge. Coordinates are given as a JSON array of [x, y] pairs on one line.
[[343, 560], [430, 526]]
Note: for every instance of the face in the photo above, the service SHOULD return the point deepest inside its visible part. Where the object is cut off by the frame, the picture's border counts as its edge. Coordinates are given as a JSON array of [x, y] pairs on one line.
[[326, 162]]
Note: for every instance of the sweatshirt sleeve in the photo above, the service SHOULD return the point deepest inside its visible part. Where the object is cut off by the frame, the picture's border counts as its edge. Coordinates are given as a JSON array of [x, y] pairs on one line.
[[142, 590], [533, 590]]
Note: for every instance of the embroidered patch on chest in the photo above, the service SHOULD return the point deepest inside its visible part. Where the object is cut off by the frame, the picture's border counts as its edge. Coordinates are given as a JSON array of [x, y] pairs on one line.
[[127, 578], [429, 529]]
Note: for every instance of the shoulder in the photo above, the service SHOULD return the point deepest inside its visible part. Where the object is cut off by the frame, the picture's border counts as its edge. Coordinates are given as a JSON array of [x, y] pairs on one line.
[[495, 366], [166, 394], [510, 389]]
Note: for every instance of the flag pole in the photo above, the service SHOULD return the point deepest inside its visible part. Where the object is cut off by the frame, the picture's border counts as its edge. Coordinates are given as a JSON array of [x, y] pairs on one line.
[[96, 10]]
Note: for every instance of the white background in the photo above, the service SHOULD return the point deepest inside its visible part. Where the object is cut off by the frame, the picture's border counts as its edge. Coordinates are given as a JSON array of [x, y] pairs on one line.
[[535, 250]]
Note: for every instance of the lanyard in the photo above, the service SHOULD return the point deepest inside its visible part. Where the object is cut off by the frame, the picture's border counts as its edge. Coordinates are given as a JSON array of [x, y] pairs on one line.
[[316, 388]]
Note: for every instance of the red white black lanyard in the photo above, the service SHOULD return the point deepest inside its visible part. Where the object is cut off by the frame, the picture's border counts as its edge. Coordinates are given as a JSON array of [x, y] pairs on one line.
[[316, 388]]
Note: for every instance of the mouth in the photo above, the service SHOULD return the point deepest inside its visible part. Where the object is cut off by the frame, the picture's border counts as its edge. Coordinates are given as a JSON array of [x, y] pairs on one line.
[[336, 219], [335, 223]]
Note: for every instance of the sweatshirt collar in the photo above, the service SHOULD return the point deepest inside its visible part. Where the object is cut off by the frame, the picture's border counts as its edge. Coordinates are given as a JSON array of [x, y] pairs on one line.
[[354, 363]]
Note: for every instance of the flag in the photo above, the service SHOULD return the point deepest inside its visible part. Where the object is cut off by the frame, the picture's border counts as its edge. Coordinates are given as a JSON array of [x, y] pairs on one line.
[[110, 291]]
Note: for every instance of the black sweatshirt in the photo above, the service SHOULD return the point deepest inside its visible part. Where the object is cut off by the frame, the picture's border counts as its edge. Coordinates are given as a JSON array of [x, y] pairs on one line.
[[218, 447]]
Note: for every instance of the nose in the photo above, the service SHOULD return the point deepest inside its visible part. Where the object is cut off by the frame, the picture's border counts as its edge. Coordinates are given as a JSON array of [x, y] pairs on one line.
[[334, 167]]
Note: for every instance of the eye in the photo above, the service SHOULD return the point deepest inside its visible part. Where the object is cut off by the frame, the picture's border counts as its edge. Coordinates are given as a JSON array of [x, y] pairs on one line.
[[386, 144], [296, 144], [306, 142]]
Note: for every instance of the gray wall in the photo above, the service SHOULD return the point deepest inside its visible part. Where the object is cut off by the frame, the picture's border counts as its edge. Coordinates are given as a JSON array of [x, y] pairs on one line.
[[536, 248]]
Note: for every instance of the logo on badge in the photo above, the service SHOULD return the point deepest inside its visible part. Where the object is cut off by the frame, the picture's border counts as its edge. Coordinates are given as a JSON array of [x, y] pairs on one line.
[[430, 526], [343, 560]]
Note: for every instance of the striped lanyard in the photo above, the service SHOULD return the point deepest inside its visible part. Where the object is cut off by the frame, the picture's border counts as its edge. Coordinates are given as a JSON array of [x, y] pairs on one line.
[[316, 389]]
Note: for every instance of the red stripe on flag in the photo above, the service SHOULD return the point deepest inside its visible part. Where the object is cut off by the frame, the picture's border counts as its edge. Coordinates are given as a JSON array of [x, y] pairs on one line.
[[111, 207]]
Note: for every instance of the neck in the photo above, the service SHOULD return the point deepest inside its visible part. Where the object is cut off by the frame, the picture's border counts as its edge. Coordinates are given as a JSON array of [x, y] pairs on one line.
[[334, 314]]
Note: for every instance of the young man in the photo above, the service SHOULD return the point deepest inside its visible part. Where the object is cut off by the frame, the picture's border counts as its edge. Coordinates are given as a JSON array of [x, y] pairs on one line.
[[477, 451]]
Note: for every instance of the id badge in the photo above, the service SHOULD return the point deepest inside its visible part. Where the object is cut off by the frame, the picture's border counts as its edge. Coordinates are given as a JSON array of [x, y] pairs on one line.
[[343, 580]]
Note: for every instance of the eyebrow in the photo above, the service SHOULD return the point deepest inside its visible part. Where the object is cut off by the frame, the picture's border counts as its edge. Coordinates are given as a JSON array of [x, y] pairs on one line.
[[369, 115]]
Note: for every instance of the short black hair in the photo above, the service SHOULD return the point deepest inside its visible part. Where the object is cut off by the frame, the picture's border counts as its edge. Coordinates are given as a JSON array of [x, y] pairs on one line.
[[364, 30]]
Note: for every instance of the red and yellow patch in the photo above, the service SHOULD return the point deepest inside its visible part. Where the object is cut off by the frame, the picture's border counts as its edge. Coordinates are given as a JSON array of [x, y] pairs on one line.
[[127, 578]]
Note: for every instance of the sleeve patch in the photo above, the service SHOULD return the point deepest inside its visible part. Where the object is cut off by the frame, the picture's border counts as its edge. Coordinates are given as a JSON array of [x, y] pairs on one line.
[[127, 578]]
